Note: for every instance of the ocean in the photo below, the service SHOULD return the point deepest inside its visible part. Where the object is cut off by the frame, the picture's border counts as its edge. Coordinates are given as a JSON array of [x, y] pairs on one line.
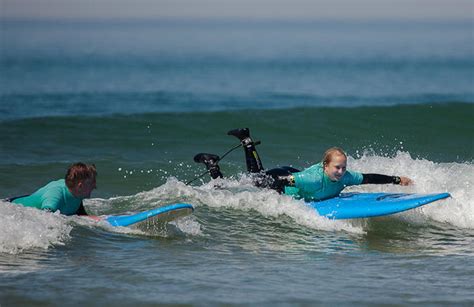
[[139, 98]]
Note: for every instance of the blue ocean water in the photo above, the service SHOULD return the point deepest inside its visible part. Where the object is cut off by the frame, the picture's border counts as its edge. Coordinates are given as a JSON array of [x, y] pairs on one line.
[[139, 98], [134, 67]]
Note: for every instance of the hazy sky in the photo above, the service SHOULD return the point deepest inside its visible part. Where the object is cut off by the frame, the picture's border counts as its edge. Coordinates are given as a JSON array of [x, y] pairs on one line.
[[255, 9]]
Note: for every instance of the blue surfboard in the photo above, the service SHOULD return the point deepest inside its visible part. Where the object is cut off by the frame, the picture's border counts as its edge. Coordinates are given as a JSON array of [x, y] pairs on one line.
[[150, 218], [363, 205]]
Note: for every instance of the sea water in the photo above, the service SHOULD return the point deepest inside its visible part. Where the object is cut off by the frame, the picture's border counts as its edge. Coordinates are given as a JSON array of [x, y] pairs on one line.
[[141, 98]]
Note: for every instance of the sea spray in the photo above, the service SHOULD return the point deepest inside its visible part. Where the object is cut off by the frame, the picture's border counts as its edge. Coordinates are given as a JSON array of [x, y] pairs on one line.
[[24, 228], [429, 177]]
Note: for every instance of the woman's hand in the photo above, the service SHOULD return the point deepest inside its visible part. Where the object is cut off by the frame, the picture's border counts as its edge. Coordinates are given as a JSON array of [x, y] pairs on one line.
[[405, 181]]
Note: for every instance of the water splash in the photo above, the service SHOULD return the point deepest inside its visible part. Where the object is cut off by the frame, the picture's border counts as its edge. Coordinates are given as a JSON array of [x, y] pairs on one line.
[[240, 194], [429, 177], [28, 228]]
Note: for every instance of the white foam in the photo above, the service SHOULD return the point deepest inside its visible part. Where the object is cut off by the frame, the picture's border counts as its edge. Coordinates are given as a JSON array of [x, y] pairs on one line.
[[24, 228], [429, 177], [92, 223], [188, 225], [242, 195], [136, 203], [28, 228]]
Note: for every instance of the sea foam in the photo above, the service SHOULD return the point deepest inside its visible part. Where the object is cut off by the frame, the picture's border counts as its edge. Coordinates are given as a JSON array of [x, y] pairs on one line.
[[24, 228], [428, 177], [28, 228]]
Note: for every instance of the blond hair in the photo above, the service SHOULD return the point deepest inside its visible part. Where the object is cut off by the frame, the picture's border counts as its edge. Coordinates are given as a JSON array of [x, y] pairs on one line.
[[330, 153]]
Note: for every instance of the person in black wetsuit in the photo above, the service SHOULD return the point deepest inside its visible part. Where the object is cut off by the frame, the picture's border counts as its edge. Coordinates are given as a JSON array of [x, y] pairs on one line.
[[320, 181]]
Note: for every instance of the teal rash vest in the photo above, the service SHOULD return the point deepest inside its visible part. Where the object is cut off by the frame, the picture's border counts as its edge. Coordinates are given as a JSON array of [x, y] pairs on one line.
[[313, 184], [54, 196]]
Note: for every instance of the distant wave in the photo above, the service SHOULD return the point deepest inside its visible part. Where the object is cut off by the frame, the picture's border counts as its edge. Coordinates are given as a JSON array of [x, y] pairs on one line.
[[18, 106]]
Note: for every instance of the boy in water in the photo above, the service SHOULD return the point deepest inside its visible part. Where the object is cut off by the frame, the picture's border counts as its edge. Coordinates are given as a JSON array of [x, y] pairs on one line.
[[321, 181], [64, 195]]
